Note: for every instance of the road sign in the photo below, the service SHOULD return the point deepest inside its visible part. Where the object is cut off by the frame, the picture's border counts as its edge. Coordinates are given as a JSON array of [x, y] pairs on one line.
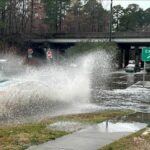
[[145, 57], [146, 54], [49, 54], [30, 51]]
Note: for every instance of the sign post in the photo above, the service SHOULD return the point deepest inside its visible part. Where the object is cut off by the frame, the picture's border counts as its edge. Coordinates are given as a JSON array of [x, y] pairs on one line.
[[30, 52], [145, 58]]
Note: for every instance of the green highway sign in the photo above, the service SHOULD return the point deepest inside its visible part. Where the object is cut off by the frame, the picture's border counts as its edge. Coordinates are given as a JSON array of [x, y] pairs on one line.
[[146, 54]]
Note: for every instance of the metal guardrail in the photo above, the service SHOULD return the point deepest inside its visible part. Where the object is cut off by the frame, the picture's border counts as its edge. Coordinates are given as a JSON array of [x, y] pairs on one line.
[[99, 35], [131, 35], [91, 35]]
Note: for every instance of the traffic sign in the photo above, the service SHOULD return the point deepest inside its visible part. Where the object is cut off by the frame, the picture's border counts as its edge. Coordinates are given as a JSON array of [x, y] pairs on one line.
[[146, 54], [30, 50], [49, 54], [145, 58]]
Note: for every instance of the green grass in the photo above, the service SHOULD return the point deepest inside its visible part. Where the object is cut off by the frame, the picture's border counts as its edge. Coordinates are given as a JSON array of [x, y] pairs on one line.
[[135, 141], [21, 136], [93, 117]]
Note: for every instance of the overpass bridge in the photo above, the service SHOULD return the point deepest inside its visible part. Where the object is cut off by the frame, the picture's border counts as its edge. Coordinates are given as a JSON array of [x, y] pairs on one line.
[[130, 43], [117, 37]]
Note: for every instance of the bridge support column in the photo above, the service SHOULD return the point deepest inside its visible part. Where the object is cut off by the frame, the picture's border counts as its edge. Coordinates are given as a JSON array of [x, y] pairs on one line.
[[127, 54], [137, 56], [124, 55], [123, 58]]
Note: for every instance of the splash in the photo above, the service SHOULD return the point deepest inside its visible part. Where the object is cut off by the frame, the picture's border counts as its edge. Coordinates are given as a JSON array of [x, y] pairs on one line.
[[49, 89]]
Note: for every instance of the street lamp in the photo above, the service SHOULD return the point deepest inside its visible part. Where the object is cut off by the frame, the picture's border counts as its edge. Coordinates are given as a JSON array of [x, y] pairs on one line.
[[110, 24]]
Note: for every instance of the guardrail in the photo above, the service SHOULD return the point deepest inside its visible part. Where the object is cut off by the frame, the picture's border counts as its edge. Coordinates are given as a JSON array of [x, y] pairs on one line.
[[99, 35], [84, 35]]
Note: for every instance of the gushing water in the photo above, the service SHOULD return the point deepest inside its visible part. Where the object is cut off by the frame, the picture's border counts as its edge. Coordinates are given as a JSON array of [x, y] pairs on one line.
[[51, 89]]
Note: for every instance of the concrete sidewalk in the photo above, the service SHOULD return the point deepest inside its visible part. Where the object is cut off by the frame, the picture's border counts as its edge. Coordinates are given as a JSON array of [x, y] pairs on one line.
[[91, 138]]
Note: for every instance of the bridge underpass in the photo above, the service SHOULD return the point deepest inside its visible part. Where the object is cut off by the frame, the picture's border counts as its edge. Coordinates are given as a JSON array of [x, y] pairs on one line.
[[130, 43], [131, 51]]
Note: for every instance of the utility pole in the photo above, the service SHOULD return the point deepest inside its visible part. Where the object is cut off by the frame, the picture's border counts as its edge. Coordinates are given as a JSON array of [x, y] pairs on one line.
[[31, 17], [110, 24]]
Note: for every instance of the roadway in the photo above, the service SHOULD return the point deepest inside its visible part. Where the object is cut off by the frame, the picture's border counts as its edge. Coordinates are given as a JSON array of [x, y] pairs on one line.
[[116, 90], [123, 90]]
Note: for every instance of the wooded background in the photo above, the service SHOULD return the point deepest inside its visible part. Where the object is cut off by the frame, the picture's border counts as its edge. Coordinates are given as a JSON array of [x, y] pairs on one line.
[[25, 17]]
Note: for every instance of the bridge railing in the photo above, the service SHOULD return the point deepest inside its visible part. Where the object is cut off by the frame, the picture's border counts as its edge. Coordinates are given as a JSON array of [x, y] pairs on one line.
[[84, 35], [131, 35], [81, 35], [101, 35]]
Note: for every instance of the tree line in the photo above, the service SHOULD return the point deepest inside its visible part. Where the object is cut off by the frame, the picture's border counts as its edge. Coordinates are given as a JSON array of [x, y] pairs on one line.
[[21, 17], [132, 18]]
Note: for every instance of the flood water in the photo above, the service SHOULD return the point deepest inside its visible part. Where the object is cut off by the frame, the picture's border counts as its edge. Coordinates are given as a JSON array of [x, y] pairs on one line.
[[86, 85], [122, 91]]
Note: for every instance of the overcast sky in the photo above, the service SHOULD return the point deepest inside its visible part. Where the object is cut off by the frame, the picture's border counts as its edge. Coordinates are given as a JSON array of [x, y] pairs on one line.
[[142, 3]]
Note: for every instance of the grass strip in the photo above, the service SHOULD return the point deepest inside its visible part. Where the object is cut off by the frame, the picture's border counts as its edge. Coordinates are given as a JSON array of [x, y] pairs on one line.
[[93, 117], [20, 137], [136, 141]]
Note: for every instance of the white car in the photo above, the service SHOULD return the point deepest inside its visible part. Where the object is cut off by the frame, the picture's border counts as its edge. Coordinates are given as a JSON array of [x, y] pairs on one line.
[[130, 68]]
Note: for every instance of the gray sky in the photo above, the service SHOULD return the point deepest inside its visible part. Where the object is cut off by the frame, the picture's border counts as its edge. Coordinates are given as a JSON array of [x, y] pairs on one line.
[[142, 3]]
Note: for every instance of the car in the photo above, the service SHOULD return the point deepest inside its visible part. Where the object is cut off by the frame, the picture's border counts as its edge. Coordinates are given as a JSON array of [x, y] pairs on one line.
[[130, 68]]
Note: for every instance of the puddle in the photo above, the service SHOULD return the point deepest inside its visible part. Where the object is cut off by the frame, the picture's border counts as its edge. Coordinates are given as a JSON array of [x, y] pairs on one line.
[[131, 123], [68, 126], [109, 126]]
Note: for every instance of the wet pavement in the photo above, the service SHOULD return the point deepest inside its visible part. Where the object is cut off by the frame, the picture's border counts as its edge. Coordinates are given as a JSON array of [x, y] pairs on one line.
[[93, 137]]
